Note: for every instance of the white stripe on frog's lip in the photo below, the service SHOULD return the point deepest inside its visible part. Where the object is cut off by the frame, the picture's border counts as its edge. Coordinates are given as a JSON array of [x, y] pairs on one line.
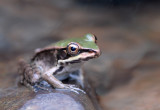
[[77, 59], [97, 52]]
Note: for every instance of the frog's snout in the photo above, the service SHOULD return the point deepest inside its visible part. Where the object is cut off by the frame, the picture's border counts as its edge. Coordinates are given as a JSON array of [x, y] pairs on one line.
[[98, 53]]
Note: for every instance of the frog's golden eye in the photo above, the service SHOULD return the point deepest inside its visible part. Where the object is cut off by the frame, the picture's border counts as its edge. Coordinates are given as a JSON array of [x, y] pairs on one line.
[[72, 49]]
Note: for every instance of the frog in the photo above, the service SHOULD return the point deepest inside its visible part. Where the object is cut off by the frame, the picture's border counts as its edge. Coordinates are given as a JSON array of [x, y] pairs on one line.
[[52, 64]]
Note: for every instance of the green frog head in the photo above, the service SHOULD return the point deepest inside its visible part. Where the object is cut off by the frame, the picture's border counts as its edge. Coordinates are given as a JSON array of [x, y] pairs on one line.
[[75, 50]]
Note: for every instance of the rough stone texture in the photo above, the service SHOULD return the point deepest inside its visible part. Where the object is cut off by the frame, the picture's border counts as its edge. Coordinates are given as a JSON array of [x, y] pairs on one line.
[[52, 101], [125, 76], [21, 98]]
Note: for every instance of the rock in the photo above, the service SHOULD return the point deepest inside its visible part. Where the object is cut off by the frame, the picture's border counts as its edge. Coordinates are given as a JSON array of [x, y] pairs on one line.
[[21, 98]]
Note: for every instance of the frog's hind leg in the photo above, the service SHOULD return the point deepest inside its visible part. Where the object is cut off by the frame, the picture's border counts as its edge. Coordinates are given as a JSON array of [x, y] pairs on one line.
[[29, 75]]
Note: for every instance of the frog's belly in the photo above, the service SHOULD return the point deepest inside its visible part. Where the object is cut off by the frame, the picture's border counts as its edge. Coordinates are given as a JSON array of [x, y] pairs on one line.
[[67, 70], [62, 76]]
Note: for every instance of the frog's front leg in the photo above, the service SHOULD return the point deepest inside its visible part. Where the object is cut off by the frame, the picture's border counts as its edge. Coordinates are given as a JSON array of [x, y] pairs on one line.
[[48, 76]]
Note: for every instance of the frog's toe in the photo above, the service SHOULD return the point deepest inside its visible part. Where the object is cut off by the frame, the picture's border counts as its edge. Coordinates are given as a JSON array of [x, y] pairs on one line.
[[75, 89], [37, 87], [78, 89]]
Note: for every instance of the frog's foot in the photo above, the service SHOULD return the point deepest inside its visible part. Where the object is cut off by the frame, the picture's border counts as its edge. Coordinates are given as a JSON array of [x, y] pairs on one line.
[[73, 88], [38, 87]]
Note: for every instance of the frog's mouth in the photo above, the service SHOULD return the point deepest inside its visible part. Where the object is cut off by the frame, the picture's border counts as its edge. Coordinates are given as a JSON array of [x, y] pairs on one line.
[[87, 54], [84, 55]]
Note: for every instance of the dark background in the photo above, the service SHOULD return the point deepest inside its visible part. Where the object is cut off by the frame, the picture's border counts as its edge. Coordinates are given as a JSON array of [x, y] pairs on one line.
[[127, 74]]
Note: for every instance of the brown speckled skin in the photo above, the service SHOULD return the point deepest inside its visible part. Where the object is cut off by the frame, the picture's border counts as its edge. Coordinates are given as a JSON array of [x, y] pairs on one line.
[[52, 65], [30, 73]]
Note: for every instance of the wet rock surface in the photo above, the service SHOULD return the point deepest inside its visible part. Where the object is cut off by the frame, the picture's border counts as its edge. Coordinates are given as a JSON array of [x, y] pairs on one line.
[[126, 76], [21, 98]]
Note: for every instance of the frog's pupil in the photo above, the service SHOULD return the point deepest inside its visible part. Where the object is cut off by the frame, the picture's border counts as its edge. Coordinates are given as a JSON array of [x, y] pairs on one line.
[[73, 48]]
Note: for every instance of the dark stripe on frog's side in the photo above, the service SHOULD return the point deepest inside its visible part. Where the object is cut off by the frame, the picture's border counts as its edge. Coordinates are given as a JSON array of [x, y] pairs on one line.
[[58, 70], [56, 54], [43, 51]]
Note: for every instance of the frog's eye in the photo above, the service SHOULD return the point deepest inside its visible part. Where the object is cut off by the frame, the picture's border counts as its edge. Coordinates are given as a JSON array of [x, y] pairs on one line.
[[72, 49]]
